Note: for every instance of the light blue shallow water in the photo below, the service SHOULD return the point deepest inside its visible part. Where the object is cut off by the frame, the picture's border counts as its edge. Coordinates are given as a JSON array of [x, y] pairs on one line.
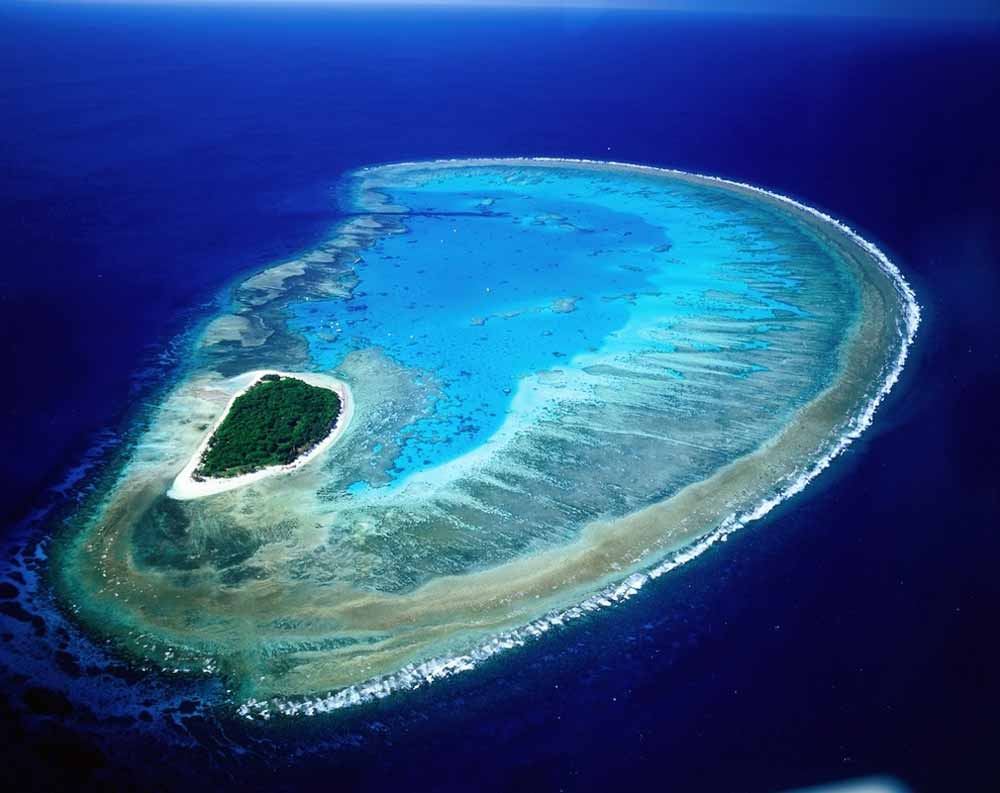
[[499, 277]]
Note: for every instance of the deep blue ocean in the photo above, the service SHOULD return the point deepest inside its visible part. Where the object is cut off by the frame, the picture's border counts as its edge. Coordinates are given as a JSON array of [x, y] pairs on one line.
[[151, 156]]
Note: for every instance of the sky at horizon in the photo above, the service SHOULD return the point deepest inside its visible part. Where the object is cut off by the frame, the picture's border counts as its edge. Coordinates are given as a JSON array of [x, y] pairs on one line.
[[984, 10]]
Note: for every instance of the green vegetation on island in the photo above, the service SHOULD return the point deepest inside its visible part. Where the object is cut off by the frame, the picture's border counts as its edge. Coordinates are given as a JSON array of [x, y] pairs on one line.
[[275, 421]]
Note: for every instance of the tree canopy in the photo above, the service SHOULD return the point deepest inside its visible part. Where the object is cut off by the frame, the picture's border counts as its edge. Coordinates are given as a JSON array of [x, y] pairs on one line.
[[274, 422]]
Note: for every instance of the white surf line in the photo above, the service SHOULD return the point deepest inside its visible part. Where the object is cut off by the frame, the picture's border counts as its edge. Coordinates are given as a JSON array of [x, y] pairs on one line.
[[415, 675], [186, 487]]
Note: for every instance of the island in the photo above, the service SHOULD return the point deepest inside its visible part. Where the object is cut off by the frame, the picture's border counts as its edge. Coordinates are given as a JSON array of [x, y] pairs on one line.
[[275, 424], [275, 421]]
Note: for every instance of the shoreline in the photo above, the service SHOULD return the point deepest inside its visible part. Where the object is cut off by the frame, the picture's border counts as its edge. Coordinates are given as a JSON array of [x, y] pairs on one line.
[[186, 488]]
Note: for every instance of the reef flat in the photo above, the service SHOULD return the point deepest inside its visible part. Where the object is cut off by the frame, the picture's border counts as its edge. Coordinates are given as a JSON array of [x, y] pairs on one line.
[[567, 377]]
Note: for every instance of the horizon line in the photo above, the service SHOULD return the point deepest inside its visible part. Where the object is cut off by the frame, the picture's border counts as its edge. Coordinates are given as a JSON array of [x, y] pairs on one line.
[[969, 11]]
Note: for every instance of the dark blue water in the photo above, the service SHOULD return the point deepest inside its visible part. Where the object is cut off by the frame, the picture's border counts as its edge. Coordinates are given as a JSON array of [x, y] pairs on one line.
[[149, 156]]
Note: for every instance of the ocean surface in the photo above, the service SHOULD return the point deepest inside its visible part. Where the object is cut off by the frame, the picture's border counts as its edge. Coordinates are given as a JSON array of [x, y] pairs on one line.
[[153, 158]]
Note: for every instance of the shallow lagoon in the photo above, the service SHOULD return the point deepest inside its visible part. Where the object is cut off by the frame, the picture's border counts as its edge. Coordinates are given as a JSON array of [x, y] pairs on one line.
[[498, 278], [564, 373]]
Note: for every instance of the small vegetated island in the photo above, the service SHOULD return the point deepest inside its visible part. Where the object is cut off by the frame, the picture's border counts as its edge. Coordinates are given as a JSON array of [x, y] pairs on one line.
[[273, 423]]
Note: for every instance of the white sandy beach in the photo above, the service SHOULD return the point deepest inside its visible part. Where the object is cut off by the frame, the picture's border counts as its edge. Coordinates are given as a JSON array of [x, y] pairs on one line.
[[185, 487]]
